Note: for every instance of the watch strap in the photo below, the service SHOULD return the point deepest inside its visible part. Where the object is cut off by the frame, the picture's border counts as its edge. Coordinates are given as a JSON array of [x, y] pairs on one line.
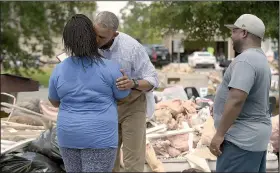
[[136, 84]]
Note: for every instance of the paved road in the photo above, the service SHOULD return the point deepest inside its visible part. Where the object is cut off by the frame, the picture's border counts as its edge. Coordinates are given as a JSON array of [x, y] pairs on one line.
[[43, 92]]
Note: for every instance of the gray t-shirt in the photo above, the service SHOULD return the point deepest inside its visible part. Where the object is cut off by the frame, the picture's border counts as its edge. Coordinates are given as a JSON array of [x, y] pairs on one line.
[[250, 73]]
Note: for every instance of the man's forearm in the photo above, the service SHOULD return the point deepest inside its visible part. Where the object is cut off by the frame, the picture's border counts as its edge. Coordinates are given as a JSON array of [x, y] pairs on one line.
[[231, 112], [144, 85]]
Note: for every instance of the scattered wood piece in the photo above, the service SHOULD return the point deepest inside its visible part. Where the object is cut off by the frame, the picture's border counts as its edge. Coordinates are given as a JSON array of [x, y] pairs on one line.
[[18, 138], [22, 127], [121, 158], [198, 163], [34, 115], [152, 160], [7, 142], [17, 146], [157, 128], [169, 133], [7, 132], [204, 153]]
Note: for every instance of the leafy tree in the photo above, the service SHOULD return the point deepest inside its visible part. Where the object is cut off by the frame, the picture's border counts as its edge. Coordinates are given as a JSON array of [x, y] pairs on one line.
[[204, 20], [137, 23], [28, 28]]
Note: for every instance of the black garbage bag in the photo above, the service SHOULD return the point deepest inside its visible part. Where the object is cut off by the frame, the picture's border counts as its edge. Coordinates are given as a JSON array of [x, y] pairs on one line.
[[28, 162], [47, 145], [62, 167]]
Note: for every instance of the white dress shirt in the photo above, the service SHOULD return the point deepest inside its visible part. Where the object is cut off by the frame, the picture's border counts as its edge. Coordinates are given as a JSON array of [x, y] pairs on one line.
[[133, 58]]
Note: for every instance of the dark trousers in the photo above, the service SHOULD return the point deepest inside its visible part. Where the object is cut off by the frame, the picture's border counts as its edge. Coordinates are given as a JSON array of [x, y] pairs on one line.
[[235, 159]]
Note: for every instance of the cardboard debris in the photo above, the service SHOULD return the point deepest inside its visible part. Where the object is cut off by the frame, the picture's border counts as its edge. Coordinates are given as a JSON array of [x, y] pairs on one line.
[[205, 153]]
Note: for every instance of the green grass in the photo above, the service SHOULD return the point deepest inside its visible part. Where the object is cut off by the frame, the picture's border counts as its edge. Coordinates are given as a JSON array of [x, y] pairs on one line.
[[42, 78]]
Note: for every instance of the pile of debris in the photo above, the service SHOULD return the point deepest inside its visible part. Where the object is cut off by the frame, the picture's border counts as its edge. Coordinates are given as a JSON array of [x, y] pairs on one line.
[[175, 69], [184, 129], [28, 139], [274, 67], [214, 79], [274, 139], [182, 120], [12, 132], [178, 68], [177, 133], [25, 121], [33, 154], [180, 128]]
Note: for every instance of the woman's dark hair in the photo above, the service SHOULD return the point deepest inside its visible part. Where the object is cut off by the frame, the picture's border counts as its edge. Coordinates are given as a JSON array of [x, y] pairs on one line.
[[79, 38]]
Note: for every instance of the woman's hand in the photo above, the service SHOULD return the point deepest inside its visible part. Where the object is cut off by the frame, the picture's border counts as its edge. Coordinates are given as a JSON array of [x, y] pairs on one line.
[[124, 83]]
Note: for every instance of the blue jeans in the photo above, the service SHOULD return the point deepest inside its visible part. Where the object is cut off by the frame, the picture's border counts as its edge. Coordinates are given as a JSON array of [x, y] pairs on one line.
[[235, 159]]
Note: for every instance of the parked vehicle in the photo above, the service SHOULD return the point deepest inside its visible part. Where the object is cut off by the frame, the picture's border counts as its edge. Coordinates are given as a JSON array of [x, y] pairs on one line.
[[158, 54], [202, 59]]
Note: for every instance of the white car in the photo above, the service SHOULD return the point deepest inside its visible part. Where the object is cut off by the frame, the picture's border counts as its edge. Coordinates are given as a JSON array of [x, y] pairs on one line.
[[202, 59]]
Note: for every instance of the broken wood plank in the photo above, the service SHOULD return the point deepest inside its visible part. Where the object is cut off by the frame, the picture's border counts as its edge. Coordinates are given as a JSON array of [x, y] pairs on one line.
[[19, 137], [17, 146], [21, 127], [152, 160], [29, 111], [17, 124], [157, 128], [121, 158], [198, 163], [7, 142], [7, 132], [49, 111], [169, 133]]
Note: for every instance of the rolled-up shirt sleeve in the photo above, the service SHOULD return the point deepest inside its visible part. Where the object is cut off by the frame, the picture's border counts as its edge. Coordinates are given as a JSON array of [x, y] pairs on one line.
[[144, 68]]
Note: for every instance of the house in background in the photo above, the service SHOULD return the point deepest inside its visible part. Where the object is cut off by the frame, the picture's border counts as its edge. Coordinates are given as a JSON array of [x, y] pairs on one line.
[[221, 46]]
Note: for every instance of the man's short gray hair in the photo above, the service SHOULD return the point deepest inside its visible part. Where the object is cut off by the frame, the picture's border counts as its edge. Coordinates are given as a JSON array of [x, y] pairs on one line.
[[107, 20]]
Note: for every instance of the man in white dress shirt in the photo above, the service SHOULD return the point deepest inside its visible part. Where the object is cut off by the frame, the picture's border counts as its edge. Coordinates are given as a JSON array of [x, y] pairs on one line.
[[139, 75]]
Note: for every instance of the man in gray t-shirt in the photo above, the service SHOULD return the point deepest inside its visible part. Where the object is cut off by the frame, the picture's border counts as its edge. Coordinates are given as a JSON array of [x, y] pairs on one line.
[[241, 106]]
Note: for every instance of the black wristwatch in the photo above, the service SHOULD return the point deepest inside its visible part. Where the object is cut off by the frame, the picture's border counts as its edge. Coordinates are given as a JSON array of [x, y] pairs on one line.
[[136, 84]]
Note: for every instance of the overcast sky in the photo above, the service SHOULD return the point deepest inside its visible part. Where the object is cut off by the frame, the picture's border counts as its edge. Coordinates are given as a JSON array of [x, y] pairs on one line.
[[113, 6]]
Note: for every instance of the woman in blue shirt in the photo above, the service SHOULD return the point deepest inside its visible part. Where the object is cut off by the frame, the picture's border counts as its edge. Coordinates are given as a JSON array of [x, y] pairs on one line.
[[83, 86]]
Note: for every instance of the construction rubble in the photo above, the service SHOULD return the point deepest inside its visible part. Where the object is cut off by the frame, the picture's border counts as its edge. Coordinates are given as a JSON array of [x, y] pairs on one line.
[[181, 128], [183, 74]]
